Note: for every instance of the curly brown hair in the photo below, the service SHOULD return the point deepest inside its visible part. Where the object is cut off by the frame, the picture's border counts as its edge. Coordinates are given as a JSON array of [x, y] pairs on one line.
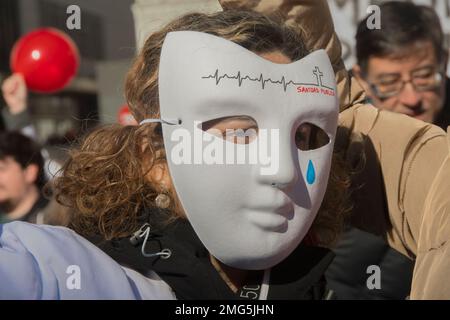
[[110, 177]]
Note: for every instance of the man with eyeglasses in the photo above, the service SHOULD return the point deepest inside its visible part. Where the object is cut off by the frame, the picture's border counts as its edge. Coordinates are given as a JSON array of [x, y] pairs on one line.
[[402, 66]]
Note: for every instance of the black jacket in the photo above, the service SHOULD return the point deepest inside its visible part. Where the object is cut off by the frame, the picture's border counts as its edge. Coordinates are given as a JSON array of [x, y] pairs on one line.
[[190, 274]]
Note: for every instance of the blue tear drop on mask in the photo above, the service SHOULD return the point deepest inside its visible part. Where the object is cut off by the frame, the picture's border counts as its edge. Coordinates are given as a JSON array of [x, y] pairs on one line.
[[311, 173]]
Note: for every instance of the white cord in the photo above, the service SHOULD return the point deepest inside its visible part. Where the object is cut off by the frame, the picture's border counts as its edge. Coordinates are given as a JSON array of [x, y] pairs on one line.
[[172, 122], [164, 254]]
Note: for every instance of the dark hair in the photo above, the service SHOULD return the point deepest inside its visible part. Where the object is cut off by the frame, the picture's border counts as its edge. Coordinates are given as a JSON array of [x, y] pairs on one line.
[[24, 151], [402, 24]]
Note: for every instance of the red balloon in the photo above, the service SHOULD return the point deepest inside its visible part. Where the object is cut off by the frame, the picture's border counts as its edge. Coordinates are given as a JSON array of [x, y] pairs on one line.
[[47, 58]]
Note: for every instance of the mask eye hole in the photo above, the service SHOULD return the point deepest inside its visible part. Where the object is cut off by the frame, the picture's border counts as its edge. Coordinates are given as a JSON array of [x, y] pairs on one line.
[[310, 137], [235, 129]]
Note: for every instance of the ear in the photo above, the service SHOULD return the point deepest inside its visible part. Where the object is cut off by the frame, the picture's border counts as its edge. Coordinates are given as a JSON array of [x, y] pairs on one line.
[[157, 173], [446, 54], [161, 181], [356, 70], [31, 173]]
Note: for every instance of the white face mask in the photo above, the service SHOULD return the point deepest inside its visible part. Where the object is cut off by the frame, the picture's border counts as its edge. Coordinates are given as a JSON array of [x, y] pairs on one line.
[[250, 214]]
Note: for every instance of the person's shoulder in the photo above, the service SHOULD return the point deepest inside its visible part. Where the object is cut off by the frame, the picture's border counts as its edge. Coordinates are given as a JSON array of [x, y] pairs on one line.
[[68, 267], [389, 128], [47, 243], [29, 231]]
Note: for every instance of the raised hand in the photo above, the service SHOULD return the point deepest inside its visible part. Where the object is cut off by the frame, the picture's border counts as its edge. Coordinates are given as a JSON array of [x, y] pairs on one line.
[[15, 93]]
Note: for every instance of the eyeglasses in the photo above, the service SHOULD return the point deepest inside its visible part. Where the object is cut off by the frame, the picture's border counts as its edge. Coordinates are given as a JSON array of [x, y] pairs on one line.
[[422, 80]]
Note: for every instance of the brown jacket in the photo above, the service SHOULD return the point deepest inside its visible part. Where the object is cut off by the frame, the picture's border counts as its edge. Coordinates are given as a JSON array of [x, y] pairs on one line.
[[405, 178]]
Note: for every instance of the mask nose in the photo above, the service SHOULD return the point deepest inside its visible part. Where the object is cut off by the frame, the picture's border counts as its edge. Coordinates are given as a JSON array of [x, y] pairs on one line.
[[287, 171], [286, 176]]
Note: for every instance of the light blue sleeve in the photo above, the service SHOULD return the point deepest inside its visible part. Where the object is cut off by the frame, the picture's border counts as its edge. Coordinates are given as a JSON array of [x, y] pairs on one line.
[[47, 262]]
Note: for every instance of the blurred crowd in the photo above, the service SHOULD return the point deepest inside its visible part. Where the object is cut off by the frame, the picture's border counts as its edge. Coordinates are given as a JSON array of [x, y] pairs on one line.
[[26, 168]]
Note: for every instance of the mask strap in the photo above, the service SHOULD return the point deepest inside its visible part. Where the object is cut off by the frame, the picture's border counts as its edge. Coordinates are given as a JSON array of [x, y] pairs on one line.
[[172, 122]]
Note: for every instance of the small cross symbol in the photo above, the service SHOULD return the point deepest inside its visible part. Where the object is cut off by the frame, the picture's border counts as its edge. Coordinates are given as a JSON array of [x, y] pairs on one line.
[[318, 75]]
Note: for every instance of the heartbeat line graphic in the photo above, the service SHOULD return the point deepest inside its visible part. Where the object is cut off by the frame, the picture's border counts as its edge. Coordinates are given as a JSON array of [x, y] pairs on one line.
[[285, 83]]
